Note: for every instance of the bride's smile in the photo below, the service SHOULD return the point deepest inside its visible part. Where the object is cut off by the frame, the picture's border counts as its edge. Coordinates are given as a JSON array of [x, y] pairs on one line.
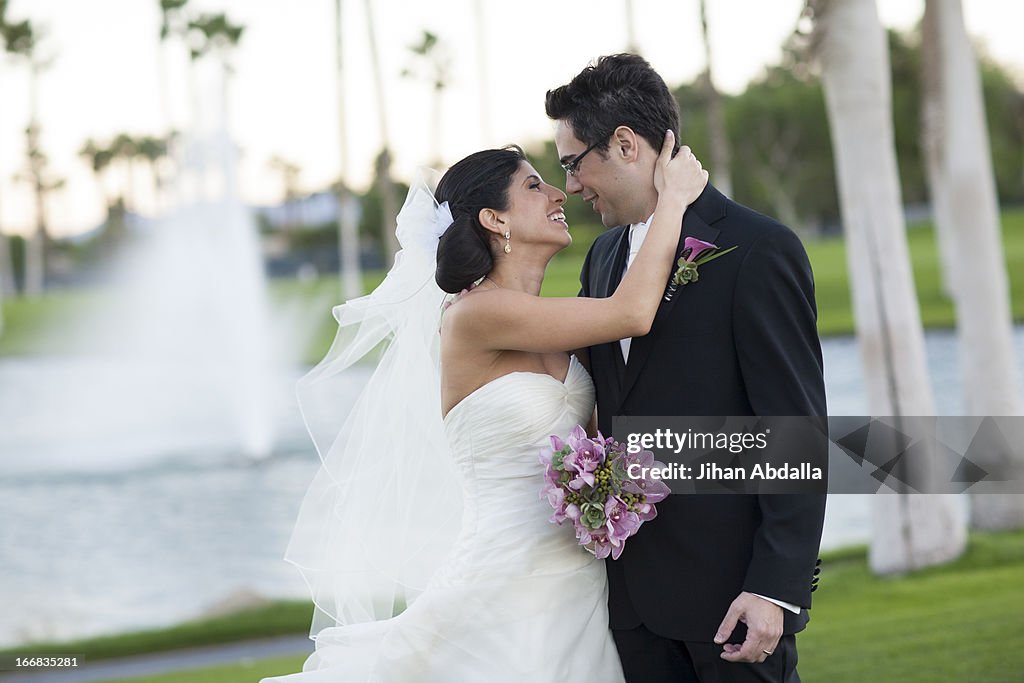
[[535, 207]]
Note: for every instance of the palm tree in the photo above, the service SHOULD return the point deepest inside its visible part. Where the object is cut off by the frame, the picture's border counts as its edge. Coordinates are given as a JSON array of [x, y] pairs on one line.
[[22, 41], [389, 209], [99, 159], [348, 225], [7, 285], [152, 151], [289, 179], [910, 531], [102, 159], [960, 167], [170, 18], [716, 117], [931, 139], [481, 66], [433, 65], [631, 43], [216, 35], [125, 149], [171, 24], [41, 244]]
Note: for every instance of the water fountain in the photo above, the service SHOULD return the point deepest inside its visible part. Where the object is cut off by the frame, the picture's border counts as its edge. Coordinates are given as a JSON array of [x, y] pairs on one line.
[[179, 356], [135, 463]]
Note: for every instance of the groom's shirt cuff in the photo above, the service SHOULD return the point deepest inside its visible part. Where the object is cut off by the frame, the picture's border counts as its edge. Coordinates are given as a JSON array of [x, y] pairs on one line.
[[784, 605]]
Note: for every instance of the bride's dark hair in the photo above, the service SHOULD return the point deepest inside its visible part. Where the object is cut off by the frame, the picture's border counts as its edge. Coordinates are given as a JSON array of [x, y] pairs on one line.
[[480, 181]]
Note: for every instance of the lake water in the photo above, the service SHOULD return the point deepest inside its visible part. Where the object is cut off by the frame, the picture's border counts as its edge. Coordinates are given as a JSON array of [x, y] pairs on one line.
[[164, 522]]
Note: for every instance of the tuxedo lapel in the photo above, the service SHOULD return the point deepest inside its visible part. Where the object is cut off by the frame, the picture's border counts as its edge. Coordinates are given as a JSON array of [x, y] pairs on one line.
[[613, 263], [639, 348], [612, 266]]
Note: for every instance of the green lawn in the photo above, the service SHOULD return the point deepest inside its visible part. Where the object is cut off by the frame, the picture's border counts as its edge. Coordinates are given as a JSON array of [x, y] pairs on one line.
[[247, 672], [960, 623], [34, 326], [275, 619], [828, 258]]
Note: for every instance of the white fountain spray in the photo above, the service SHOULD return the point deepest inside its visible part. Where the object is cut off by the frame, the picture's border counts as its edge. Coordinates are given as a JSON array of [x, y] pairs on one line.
[[179, 360], [202, 272]]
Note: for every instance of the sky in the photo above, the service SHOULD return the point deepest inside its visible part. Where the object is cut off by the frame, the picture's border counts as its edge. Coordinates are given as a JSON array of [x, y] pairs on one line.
[[104, 78]]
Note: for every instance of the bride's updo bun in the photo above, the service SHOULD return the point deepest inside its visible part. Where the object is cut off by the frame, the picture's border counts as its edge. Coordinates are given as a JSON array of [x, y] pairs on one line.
[[480, 181]]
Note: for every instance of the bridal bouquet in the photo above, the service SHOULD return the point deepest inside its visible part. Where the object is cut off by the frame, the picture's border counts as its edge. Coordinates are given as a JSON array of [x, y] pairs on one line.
[[605, 491]]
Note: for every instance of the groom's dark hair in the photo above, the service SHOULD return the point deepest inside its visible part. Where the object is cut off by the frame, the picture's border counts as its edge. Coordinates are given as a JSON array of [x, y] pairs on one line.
[[616, 90]]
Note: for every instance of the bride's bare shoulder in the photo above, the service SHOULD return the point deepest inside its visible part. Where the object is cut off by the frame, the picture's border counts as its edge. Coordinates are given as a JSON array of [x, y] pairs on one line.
[[469, 306]]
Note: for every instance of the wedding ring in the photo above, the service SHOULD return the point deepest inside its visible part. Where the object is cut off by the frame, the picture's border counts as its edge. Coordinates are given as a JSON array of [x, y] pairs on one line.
[[766, 652]]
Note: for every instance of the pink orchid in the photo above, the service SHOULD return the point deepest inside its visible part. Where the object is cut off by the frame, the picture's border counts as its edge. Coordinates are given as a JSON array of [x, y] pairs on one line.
[[653, 490], [556, 499], [621, 524], [592, 473], [646, 512], [586, 457]]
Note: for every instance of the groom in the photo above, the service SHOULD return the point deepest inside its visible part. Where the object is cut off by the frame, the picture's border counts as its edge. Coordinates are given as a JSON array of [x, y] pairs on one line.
[[717, 586]]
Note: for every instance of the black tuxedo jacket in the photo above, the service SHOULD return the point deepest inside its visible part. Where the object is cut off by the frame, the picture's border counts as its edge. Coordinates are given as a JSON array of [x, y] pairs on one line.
[[742, 340]]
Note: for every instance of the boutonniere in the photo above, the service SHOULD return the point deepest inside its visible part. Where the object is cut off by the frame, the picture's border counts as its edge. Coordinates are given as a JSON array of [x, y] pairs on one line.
[[695, 254]]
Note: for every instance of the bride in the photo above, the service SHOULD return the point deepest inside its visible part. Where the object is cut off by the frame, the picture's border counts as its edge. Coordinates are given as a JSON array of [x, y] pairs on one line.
[[423, 537]]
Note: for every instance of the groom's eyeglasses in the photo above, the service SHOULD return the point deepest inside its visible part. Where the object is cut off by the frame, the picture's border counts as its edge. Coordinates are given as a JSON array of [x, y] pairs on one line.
[[572, 167]]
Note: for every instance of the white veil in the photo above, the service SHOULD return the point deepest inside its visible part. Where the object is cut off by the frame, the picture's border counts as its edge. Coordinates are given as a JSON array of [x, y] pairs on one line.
[[385, 507]]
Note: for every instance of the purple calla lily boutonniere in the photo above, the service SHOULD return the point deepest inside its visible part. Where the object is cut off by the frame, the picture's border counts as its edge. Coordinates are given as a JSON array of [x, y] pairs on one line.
[[695, 254]]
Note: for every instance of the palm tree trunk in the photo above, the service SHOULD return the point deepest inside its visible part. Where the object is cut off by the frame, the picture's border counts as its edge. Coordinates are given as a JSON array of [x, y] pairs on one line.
[[910, 531], [7, 288], [980, 286], [783, 204], [435, 126], [197, 162], [389, 208], [165, 110], [486, 134], [38, 245], [932, 140], [165, 98], [348, 227], [35, 247], [631, 42], [35, 261], [716, 117]]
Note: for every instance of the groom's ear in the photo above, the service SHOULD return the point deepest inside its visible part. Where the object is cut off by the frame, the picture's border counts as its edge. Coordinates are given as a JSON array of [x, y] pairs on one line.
[[625, 144]]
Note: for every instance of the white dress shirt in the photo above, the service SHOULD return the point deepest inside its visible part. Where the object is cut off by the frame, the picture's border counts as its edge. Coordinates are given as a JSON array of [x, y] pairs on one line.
[[637, 233]]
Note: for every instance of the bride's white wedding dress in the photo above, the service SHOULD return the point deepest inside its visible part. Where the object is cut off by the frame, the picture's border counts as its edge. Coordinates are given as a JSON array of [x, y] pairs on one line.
[[517, 599]]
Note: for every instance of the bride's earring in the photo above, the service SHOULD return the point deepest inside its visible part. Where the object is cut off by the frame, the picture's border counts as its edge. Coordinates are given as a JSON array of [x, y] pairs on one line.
[[508, 247]]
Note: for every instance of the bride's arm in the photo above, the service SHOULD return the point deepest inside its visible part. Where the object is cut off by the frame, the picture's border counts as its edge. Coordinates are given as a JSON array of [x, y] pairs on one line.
[[503, 319]]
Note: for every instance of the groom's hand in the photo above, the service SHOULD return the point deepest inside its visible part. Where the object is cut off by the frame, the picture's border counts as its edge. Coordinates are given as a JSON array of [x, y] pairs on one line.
[[764, 628]]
